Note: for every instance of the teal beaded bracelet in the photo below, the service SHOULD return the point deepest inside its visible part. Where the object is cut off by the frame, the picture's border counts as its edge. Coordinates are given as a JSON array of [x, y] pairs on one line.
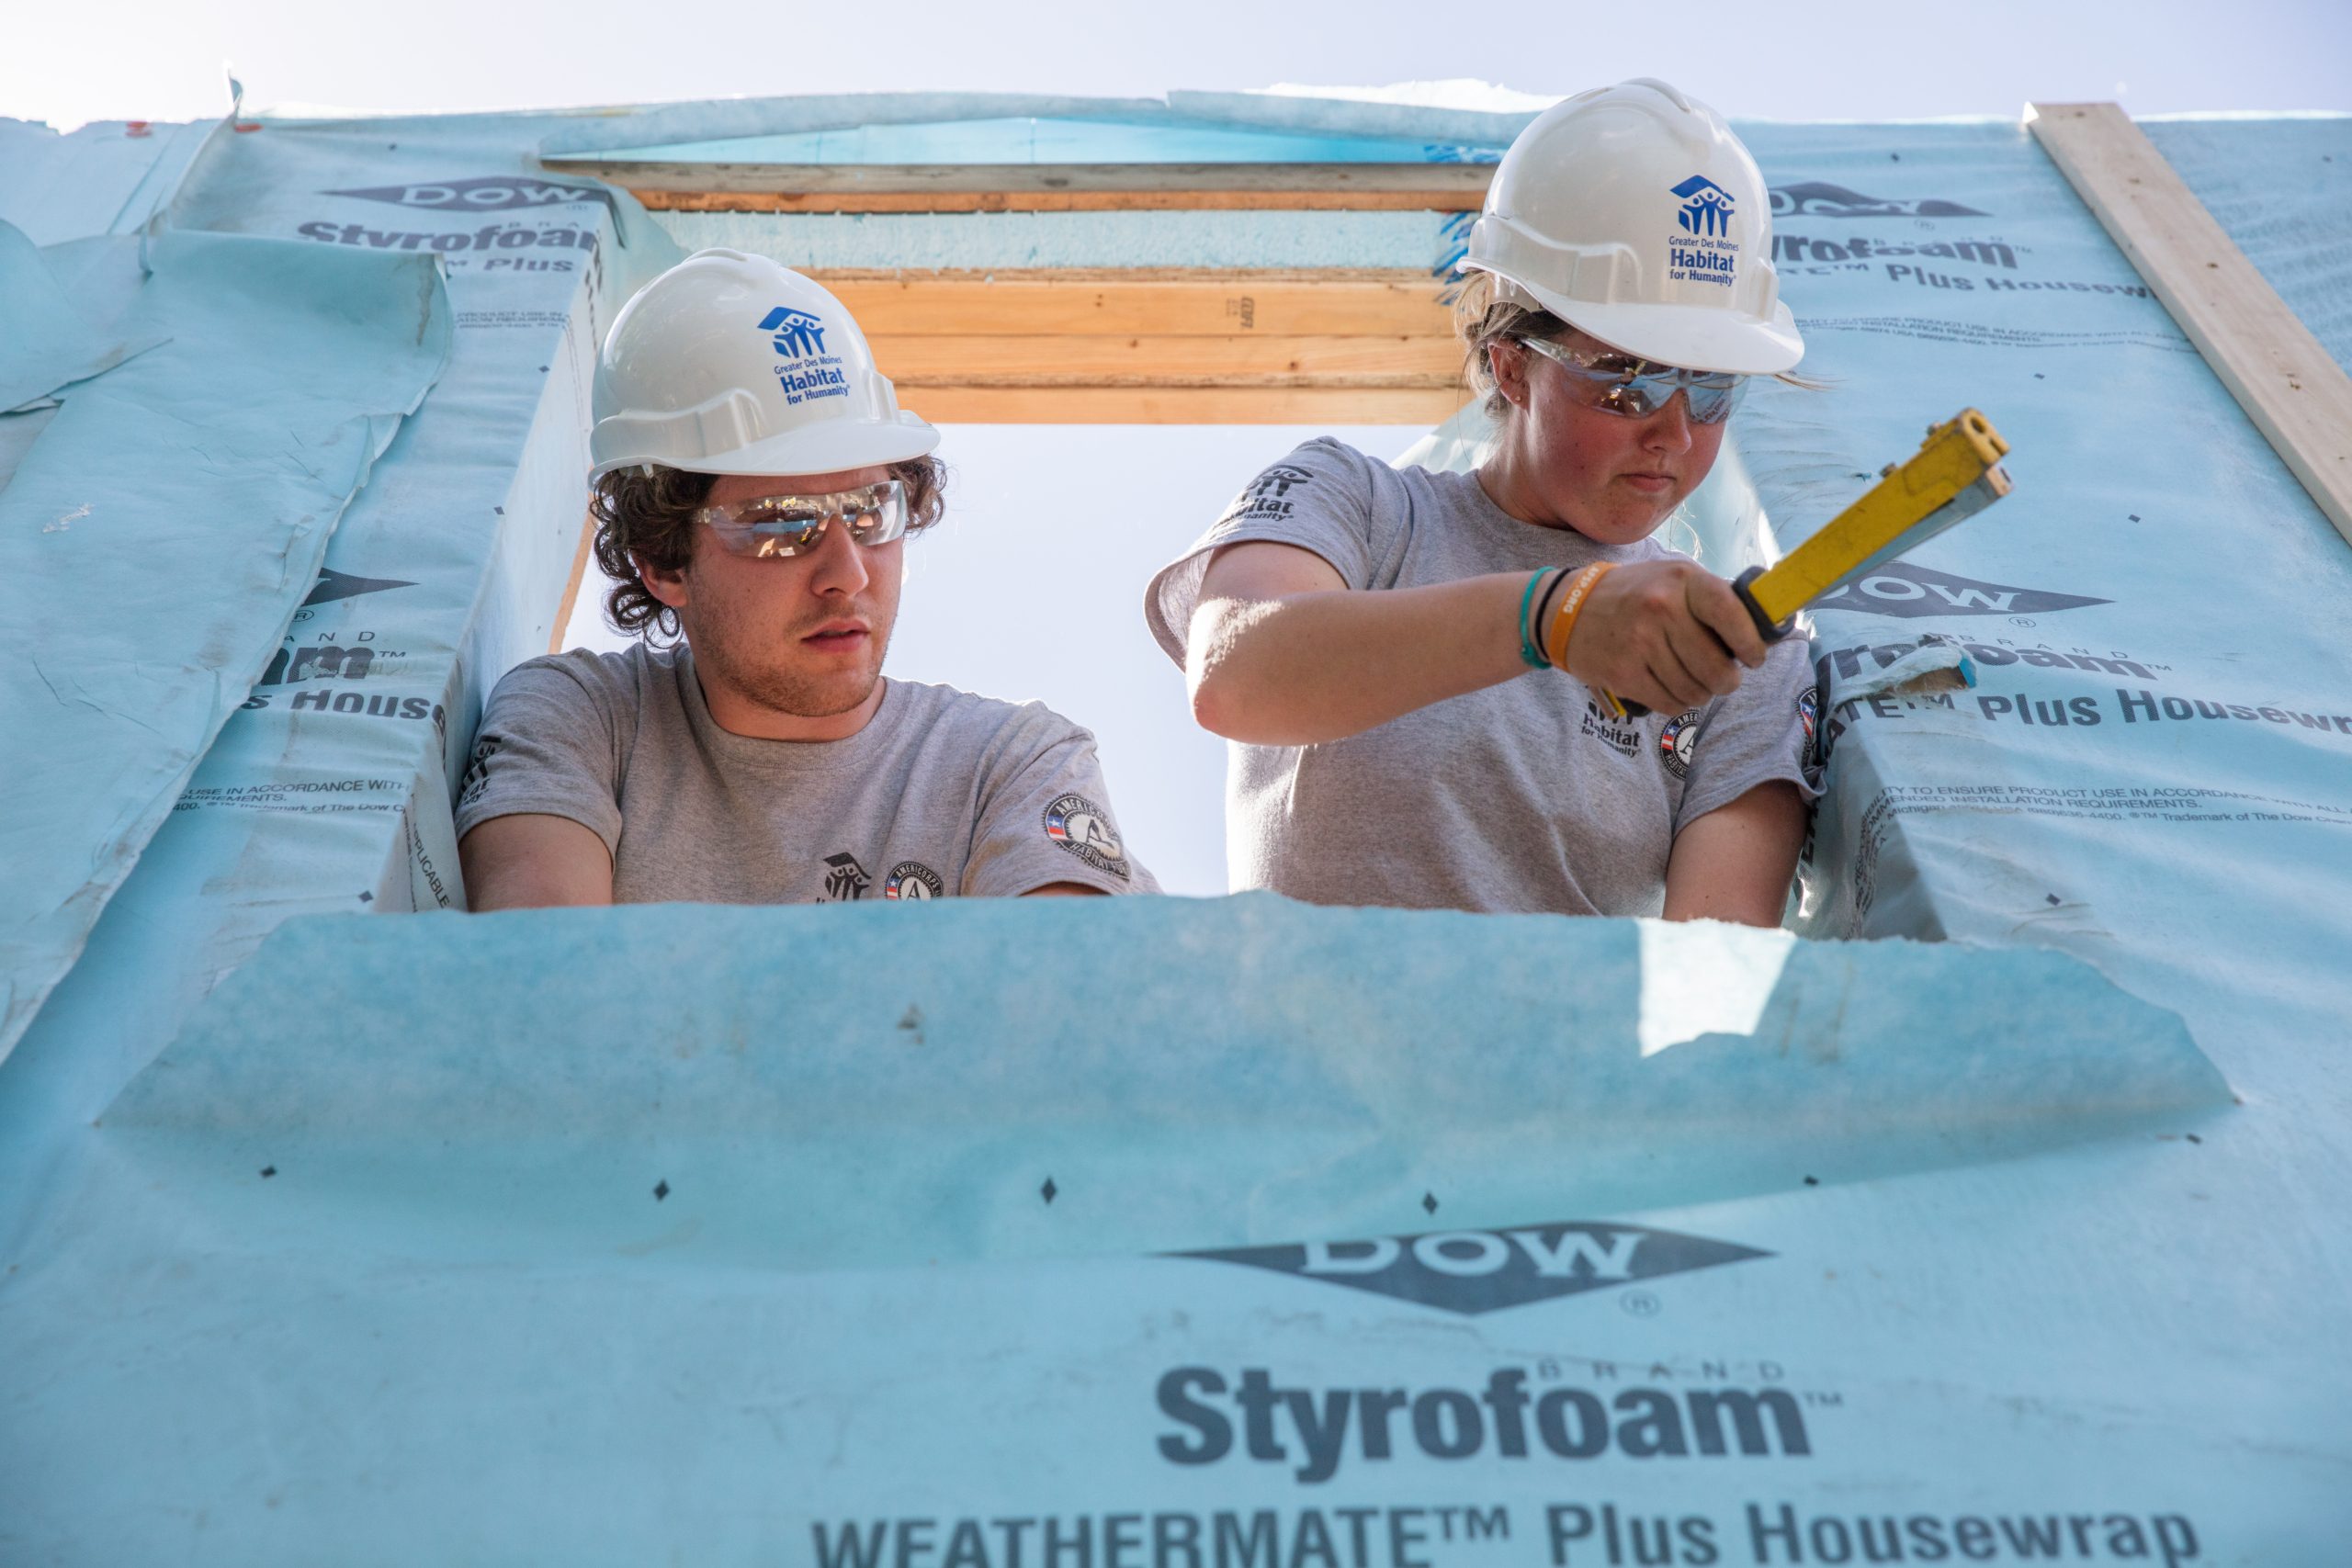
[[1530, 654]]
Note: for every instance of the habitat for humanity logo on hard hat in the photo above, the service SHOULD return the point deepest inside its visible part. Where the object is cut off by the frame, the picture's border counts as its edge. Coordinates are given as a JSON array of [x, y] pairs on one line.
[[1706, 206], [804, 369], [1709, 253]]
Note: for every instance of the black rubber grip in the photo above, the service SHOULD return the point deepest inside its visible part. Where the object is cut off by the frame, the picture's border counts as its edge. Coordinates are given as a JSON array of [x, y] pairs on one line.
[[1766, 627]]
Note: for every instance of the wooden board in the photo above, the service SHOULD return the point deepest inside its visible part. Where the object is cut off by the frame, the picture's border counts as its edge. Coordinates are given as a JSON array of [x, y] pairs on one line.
[[1162, 347], [1059, 201], [1183, 405], [579, 559], [2289, 385], [1465, 184], [1127, 360], [1385, 302]]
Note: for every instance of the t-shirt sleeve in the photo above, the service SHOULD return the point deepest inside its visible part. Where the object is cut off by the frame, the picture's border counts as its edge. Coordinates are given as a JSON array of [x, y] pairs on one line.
[[547, 746], [1320, 497], [1045, 816], [1766, 730]]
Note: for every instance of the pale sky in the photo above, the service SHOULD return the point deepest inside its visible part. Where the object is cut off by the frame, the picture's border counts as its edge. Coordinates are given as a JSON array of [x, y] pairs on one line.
[[1830, 59]]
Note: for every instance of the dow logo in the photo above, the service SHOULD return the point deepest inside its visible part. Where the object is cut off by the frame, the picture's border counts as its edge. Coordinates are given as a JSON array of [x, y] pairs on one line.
[[1818, 198], [1910, 591], [497, 193], [333, 585], [1706, 206], [799, 334], [1480, 1271]]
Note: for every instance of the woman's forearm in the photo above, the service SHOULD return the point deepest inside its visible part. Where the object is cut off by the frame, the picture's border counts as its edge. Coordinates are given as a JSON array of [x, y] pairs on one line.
[[1317, 666]]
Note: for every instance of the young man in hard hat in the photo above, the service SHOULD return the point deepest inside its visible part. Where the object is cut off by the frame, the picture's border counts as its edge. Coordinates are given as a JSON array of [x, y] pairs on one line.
[[754, 482], [1413, 663]]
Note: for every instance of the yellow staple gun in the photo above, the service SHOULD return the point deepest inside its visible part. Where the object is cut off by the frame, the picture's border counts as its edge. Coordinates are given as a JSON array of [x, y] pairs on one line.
[[1955, 474]]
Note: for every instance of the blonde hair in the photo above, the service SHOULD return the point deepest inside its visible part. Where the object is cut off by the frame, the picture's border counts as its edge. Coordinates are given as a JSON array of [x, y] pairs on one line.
[[1481, 320]]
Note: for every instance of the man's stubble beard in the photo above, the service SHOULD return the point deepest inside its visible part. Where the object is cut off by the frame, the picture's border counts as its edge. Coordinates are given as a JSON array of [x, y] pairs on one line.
[[785, 692]]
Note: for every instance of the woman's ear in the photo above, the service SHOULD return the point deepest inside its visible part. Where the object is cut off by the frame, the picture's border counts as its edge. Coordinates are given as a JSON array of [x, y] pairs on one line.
[[1507, 362]]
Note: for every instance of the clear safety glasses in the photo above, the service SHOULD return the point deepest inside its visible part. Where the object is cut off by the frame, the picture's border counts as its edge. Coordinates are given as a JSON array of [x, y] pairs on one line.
[[775, 526], [1637, 389]]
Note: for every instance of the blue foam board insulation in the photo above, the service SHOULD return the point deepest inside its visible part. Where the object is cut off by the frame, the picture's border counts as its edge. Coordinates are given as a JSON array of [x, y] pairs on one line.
[[283, 372], [1991, 1213], [107, 179], [50, 343], [1243, 240], [351, 654], [2281, 188], [1056, 138]]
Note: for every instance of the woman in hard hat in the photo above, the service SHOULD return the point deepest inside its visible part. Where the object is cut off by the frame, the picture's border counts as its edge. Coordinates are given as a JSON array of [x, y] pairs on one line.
[[1413, 663]]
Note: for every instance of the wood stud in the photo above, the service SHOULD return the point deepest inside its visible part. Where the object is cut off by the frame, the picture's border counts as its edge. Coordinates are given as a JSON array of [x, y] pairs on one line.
[[2286, 382]]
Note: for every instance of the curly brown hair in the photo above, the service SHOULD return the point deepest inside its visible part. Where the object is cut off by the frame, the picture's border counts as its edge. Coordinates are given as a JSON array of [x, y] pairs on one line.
[[647, 513]]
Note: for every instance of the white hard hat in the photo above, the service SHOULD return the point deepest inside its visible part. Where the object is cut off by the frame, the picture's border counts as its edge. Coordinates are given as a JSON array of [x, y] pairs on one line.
[[731, 364], [1633, 213]]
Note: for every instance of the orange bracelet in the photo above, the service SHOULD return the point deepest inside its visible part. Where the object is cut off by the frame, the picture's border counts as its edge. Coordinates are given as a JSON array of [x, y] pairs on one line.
[[1572, 603]]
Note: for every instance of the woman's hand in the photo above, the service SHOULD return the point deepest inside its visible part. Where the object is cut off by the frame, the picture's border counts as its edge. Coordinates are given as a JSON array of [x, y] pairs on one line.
[[1667, 634], [1281, 652]]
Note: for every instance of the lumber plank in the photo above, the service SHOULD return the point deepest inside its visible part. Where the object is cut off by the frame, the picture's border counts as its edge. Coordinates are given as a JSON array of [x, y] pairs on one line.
[[1466, 183], [1185, 405], [1059, 201], [581, 556], [1400, 303], [1267, 274], [1134, 360], [2285, 380]]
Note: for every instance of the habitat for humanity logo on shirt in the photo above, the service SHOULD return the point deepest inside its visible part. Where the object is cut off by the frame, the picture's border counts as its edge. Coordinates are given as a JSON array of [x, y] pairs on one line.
[[804, 371]]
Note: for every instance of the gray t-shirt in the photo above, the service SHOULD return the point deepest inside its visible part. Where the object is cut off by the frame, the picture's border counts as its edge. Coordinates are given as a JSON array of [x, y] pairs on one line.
[[1523, 798], [941, 793]]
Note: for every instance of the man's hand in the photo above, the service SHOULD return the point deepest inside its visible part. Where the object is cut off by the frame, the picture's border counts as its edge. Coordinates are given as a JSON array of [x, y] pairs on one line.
[[1666, 634]]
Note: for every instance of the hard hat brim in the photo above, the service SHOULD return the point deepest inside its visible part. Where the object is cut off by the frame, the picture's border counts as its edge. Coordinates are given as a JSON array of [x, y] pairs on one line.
[[1691, 337], [829, 447]]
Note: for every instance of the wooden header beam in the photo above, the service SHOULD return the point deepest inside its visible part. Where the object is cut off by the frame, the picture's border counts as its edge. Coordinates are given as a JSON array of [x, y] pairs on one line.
[[1459, 180], [1040, 188], [1183, 405], [2289, 385], [1057, 201], [1157, 301], [1349, 347]]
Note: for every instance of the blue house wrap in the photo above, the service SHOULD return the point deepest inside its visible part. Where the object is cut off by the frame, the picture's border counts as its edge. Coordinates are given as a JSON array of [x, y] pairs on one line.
[[1992, 1212]]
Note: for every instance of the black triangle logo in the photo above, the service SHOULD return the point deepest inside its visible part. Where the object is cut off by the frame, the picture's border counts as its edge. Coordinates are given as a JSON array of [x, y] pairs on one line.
[[494, 193], [1912, 592], [333, 585], [1480, 1271]]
